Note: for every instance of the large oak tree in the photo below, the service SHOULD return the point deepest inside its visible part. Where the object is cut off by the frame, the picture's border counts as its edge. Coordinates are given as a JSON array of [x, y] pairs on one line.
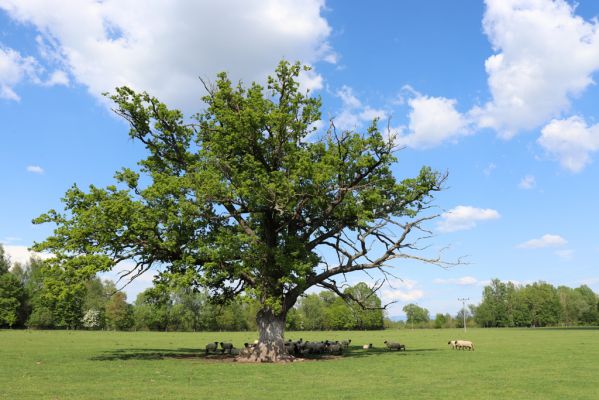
[[247, 199]]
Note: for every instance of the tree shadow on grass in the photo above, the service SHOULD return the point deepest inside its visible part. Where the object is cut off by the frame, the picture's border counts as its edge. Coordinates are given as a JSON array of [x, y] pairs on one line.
[[199, 354], [358, 352], [159, 354]]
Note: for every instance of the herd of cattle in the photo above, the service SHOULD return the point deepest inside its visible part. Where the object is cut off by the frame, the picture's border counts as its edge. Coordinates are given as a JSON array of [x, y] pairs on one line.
[[301, 348]]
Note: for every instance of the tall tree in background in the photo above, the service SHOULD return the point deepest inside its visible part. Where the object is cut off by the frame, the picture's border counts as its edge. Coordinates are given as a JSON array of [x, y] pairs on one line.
[[119, 313], [12, 297], [247, 200], [4, 261], [12, 293], [416, 314]]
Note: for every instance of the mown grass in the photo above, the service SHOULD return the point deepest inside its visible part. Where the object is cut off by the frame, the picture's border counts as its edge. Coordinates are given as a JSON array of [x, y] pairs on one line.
[[507, 364]]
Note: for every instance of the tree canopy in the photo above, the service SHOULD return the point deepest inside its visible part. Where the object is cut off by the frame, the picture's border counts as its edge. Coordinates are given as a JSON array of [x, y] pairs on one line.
[[246, 197]]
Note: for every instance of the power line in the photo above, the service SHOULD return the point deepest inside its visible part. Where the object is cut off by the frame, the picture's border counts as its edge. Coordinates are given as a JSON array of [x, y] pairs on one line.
[[463, 300]]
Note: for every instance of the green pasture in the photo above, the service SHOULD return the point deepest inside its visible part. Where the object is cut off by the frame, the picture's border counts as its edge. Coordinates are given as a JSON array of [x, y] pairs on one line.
[[507, 364]]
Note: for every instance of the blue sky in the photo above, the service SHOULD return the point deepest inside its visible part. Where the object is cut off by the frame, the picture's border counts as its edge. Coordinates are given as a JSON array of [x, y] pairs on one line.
[[501, 94]]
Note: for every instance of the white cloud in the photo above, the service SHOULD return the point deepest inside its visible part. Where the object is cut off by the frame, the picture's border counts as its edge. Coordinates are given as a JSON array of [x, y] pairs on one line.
[[353, 113], [528, 182], [465, 217], [489, 169], [401, 290], [463, 281], [565, 254], [21, 254], [347, 120], [571, 141], [36, 169], [432, 121], [14, 68], [368, 114], [349, 100], [57, 78], [547, 240], [546, 55], [162, 47]]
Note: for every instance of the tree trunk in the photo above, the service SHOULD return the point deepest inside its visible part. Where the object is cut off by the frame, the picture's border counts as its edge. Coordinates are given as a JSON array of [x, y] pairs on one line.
[[271, 344]]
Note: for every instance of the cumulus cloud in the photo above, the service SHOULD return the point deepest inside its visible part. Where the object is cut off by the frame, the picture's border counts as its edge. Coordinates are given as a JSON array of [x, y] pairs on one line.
[[547, 240], [528, 80], [353, 113], [21, 254], [545, 56], [349, 100], [463, 281], [401, 290], [465, 217], [570, 141], [432, 121], [57, 78], [14, 68], [162, 47], [528, 182], [36, 169], [565, 254]]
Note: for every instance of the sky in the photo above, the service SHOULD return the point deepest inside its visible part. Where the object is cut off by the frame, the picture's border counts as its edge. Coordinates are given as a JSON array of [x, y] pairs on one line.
[[500, 94]]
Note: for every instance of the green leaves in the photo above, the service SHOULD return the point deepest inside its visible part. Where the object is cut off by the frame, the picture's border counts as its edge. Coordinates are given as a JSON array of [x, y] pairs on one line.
[[11, 297]]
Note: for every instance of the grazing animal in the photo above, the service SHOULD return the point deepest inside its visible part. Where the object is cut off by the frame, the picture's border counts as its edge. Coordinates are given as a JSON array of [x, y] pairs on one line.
[[319, 347], [464, 344], [367, 346], [211, 347], [335, 348], [452, 343], [227, 347], [345, 343], [313, 347], [292, 347], [395, 346]]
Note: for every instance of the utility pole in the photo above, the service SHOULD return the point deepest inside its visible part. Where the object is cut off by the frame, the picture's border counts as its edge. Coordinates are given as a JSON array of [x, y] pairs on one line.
[[463, 300]]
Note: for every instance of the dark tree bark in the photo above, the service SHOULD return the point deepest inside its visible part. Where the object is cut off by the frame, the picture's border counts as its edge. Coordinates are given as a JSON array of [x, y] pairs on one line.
[[271, 344]]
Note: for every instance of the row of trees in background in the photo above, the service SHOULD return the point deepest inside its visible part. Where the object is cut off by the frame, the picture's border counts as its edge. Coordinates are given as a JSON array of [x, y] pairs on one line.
[[505, 304], [419, 318], [182, 309], [30, 296]]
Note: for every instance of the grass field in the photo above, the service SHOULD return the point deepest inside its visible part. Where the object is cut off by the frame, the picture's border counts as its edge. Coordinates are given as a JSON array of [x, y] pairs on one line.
[[507, 364]]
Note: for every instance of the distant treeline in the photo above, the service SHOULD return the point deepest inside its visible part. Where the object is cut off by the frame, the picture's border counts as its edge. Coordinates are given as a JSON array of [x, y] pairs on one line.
[[505, 304], [30, 297], [34, 296]]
